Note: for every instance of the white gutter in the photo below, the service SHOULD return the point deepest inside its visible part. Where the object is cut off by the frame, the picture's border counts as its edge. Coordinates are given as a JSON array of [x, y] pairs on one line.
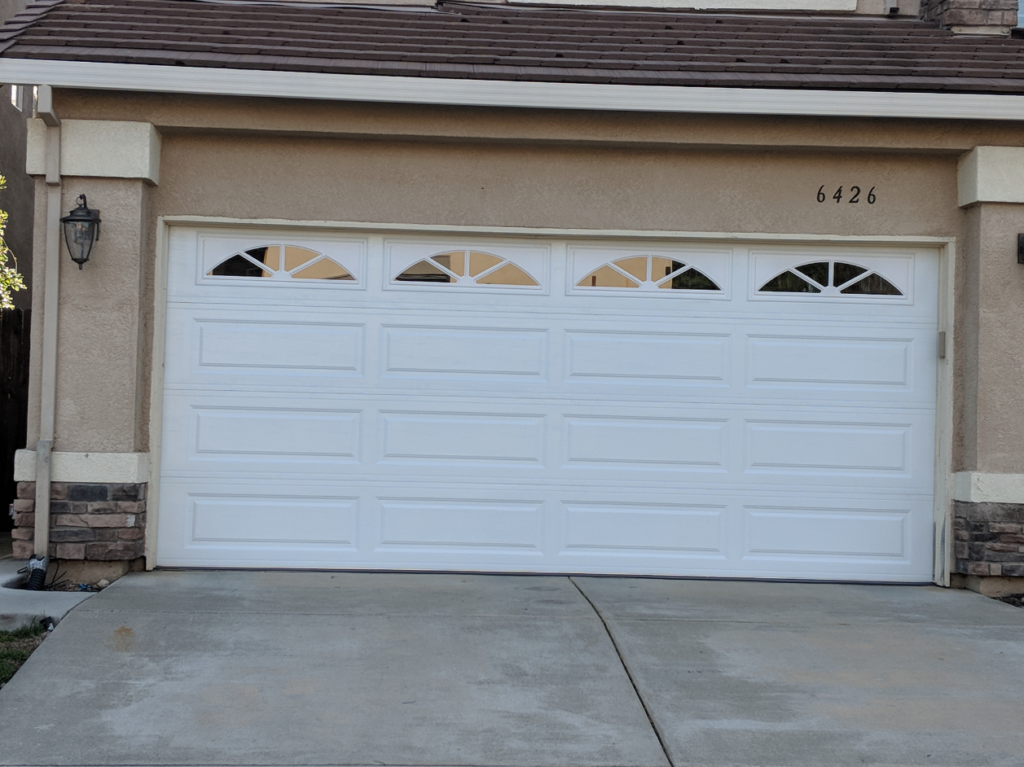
[[505, 93]]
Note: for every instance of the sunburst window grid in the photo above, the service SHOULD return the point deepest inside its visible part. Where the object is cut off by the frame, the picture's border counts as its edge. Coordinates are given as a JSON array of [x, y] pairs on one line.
[[831, 278], [281, 262], [648, 273], [468, 267]]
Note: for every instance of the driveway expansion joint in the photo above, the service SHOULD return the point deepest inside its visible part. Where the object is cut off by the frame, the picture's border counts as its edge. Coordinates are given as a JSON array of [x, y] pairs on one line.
[[629, 673]]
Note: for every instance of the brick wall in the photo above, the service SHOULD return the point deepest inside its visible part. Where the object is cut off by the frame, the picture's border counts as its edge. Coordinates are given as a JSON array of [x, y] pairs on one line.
[[970, 13], [989, 539], [90, 521]]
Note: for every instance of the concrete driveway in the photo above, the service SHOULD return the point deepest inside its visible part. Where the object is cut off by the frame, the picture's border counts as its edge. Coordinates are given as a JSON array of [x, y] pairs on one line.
[[271, 668]]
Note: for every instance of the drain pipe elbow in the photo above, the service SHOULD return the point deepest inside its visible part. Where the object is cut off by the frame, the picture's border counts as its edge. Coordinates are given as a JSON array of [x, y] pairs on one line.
[[36, 573]]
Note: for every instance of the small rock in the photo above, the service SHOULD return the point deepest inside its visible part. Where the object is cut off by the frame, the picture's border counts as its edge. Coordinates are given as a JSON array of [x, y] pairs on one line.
[[102, 583]]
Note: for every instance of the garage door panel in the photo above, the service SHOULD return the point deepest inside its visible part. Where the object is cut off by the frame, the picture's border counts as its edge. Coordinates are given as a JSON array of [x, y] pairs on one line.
[[865, 448], [443, 421], [645, 530], [227, 521], [454, 353], [673, 359], [646, 443], [277, 433], [204, 434], [460, 438], [278, 520], [794, 529], [812, 361], [279, 348], [840, 533], [438, 525], [225, 348]]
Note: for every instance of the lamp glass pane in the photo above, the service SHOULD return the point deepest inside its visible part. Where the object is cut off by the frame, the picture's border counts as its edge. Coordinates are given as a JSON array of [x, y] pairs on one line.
[[79, 238]]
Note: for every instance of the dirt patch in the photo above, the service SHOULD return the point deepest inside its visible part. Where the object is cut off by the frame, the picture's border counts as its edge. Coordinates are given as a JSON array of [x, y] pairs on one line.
[[16, 646], [1017, 600]]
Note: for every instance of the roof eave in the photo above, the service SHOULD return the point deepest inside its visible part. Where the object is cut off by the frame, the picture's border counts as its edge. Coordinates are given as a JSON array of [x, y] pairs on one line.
[[508, 93]]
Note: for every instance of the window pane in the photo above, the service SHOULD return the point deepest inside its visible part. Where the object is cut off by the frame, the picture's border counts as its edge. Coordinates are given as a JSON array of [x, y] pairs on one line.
[[509, 274], [663, 267], [294, 256], [238, 266], [637, 266], [270, 256], [324, 269], [843, 273], [817, 272], [788, 282], [691, 279], [454, 261], [606, 277], [481, 262], [423, 271], [872, 285]]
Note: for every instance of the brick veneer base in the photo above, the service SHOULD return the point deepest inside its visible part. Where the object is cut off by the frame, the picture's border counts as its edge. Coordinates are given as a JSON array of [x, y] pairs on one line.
[[988, 538], [94, 521], [970, 13]]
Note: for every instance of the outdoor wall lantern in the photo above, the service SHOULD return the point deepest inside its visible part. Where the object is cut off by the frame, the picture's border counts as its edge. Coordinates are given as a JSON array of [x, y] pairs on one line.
[[1020, 248], [81, 230]]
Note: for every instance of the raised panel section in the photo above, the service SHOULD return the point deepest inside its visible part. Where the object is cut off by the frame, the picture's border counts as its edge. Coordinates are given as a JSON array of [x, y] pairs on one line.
[[279, 348], [827, 532], [460, 524], [651, 358], [646, 443], [465, 352], [460, 438], [815, 362], [638, 529], [794, 446], [277, 434], [275, 520]]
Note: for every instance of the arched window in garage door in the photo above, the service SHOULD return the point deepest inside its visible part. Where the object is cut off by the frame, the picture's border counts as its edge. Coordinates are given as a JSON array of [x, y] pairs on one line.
[[467, 267], [648, 273], [831, 278], [281, 262]]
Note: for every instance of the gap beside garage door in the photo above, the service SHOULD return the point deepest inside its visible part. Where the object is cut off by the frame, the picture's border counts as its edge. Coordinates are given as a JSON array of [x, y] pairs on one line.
[[487, 403]]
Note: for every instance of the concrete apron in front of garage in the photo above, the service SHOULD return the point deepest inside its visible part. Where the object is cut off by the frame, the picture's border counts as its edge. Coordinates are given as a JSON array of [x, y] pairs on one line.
[[287, 668]]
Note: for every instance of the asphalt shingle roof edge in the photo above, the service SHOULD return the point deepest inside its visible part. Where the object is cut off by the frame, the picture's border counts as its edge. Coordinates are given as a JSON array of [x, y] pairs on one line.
[[463, 41]]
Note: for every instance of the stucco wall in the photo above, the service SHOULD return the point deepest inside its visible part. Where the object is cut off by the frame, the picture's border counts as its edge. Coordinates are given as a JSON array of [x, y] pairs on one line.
[[98, 404], [550, 186], [1000, 340]]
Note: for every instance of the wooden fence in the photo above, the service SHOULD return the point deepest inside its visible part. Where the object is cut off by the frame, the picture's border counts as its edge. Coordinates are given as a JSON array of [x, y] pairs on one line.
[[14, 339]]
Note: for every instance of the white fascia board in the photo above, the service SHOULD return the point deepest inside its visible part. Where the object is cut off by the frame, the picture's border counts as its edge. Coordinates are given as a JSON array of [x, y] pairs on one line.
[[503, 93]]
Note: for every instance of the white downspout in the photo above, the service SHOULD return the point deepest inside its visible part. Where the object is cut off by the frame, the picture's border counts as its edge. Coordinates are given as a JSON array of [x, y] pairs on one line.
[[51, 292]]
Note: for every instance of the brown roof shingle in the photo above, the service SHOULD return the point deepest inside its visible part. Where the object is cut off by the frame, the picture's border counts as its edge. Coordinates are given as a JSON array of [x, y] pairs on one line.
[[501, 42]]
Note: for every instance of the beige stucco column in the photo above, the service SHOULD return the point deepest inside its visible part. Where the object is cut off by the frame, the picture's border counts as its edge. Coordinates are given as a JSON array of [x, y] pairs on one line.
[[100, 333], [101, 402], [989, 486], [991, 191]]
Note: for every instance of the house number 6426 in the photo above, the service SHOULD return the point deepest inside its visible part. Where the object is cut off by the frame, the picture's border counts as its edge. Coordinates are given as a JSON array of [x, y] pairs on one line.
[[854, 195]]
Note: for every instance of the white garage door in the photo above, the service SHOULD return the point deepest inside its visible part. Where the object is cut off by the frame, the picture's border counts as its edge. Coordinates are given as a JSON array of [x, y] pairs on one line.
[[353, 400]]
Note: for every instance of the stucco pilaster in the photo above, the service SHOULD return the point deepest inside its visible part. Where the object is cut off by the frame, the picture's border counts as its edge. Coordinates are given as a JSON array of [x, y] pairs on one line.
[[1000, 350], [98, 390]]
